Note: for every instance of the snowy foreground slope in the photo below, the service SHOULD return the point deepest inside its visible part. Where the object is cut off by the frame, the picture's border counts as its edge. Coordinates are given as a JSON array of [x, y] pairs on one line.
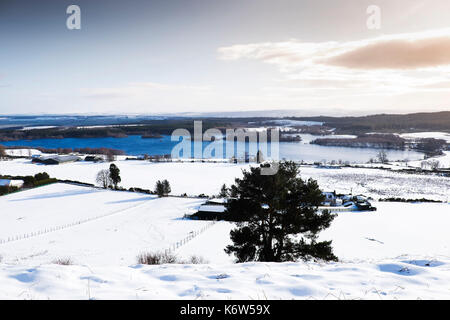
[[402, 278]]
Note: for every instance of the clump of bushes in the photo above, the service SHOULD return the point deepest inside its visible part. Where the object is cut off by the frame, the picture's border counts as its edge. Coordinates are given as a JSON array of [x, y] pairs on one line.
[[408, 200], [41, 176], [78, 182], [158, 258], [7, 189], [63, 261], [162, 188], [45, 182], [39, 179], [140, 190]]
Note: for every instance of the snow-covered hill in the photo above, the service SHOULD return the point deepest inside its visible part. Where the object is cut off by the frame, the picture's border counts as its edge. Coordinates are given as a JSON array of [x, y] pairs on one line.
[[399, 251]]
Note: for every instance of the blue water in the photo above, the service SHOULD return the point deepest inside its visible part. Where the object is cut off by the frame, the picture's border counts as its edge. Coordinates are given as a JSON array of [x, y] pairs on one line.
[[135, 145]]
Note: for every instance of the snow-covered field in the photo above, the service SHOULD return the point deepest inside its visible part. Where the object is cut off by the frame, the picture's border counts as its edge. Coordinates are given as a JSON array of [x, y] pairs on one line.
[[22, 152], [190, 178], [444, 161], [436, 135], [207, 178], [399, 251], [378, 183], [395, 229]]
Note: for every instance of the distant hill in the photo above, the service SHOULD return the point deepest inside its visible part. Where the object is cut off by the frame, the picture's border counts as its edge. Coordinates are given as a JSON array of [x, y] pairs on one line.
[[414, 122], [11, 127]]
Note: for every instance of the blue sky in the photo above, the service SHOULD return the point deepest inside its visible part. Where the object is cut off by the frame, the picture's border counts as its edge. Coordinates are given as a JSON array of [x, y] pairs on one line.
[[204, 56]]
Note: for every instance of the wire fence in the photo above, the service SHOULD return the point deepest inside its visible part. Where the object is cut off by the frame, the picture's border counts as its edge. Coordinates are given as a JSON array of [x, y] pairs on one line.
[[64, 226], [189, 237]]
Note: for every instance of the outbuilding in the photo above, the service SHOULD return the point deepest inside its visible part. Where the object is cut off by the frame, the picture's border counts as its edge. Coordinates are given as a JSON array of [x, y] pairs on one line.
[[11, 183], [52, 160]]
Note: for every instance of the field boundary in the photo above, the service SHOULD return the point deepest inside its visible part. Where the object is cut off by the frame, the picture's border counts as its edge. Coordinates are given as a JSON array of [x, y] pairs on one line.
[[192, 235]]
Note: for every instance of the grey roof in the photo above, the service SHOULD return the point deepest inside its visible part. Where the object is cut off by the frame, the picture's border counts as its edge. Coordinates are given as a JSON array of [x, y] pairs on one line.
[[60, 159]]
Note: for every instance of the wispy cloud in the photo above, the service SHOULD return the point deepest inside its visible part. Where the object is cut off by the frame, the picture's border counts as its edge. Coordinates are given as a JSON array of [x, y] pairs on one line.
[[390, 64], [402, 51], [396, 54]]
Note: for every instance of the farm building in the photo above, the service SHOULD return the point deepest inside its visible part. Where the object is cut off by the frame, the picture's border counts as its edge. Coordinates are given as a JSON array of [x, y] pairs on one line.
[[209, 212], [330, 198], [56, 159], [93, 158], [11, 183]]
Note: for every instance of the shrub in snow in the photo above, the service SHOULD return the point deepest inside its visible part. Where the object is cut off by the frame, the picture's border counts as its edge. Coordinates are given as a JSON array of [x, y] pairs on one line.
[[157, 258], [63, 261], [197, 260]]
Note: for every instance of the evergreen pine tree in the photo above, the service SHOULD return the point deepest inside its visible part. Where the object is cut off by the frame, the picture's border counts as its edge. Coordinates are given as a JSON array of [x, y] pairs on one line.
[[159, 188], [166, 186], [277, 216], [224, 191], [114, 174]]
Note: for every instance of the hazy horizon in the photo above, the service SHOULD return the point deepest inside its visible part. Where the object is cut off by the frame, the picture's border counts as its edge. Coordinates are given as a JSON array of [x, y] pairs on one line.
[[307, 58], [224, 114]]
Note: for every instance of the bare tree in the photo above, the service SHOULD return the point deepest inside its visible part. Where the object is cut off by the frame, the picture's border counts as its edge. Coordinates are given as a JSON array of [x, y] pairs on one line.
[[103, 178], [382, 156], [423, 165], [110, 157], [434, 164], [2, 151]]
